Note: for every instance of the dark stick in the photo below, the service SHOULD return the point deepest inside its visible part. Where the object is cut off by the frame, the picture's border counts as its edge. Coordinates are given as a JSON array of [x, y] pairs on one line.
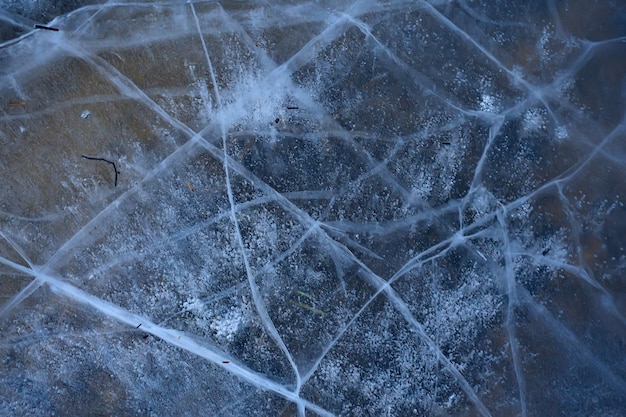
[[46, 27], [104, 160], [292, 107], [138, 326]]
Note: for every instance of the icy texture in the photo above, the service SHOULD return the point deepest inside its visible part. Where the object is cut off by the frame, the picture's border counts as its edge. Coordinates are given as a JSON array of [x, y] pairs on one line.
[[323, 208]]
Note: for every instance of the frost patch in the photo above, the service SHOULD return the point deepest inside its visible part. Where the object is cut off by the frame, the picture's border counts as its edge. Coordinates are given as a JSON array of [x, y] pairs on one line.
[[488, 104], [533, 121], [227, 325]]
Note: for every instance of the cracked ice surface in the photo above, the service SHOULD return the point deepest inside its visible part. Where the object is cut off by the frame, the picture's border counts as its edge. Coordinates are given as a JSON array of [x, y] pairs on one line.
[[323, 208]]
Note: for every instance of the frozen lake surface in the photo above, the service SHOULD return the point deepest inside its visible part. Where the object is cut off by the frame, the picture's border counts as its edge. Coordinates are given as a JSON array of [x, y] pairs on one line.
[[289, 208]]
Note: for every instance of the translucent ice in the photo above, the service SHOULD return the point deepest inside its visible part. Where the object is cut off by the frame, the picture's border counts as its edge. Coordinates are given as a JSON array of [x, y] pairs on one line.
[[321, 208]]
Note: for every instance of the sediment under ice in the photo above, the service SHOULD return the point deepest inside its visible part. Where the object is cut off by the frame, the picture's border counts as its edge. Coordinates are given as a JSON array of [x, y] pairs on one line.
[[322, 208]]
